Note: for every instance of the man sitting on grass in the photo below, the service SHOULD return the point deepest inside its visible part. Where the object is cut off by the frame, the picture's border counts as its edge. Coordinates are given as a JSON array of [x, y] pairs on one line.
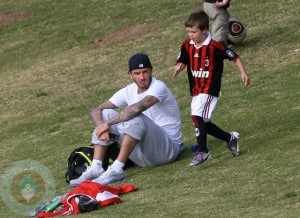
[[148, 128]]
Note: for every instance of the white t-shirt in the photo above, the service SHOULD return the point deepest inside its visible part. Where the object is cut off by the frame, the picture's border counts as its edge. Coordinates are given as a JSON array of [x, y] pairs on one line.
[[165, 113]]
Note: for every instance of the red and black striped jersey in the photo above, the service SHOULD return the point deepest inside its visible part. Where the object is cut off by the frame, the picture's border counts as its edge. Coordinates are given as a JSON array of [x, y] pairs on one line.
[[205, 65]]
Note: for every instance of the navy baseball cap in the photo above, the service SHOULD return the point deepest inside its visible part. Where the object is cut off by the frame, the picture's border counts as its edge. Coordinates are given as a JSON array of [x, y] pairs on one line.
[[138, 61]]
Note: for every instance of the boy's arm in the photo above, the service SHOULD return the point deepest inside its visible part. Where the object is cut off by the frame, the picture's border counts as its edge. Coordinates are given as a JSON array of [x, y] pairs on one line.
[[179, 67], [244, 76]]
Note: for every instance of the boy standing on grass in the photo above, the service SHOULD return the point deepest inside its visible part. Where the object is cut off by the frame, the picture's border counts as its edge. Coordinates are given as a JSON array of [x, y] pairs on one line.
[[204, 59]]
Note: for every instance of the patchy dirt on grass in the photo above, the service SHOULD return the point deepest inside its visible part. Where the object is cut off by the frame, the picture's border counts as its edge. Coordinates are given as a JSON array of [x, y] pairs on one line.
[[11, 17], [123, 35]]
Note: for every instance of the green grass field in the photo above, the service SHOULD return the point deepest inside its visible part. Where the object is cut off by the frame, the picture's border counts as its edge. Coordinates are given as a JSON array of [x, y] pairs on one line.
[[61, 58]]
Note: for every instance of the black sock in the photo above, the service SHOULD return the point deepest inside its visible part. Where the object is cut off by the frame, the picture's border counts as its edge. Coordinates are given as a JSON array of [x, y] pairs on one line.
[[214, 130], [200, 132]]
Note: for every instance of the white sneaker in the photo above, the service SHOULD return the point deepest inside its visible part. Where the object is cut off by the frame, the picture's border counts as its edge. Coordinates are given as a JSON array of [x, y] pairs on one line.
[[89, 174], [110, 176]]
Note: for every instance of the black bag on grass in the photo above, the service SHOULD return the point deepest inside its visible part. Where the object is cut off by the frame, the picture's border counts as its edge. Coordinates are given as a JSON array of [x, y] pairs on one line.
[[80, 158]]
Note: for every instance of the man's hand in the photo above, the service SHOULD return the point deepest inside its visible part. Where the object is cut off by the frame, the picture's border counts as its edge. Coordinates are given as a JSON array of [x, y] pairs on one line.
[[102, 132]]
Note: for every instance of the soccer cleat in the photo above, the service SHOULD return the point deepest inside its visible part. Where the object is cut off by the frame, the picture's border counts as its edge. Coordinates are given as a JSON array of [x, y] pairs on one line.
[[200, 157], [89, 174], [232, 145], [110, 176]]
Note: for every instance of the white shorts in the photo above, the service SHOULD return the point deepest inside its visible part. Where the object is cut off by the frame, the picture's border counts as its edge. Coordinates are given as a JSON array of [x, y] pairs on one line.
[[154, 146], [203, 106]]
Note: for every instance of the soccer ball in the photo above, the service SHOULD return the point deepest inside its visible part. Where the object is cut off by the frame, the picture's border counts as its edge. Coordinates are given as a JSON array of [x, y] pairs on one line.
[[237, 31]]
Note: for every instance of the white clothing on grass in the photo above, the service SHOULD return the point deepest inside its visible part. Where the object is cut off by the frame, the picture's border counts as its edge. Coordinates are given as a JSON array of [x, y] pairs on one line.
[[158, 129]]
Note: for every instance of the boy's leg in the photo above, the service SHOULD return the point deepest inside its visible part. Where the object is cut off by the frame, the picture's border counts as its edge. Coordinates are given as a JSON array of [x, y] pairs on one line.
[[214, 130], [202, 107], [229, 138], [200, 133]]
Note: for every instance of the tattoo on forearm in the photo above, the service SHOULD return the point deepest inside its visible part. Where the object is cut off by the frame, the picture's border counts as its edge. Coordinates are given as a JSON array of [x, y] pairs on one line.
[[97, 112], [133, 110]]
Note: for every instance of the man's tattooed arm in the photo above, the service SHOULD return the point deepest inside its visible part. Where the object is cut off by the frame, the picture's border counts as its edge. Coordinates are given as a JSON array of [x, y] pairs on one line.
[[132, 111], [96, 114]]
